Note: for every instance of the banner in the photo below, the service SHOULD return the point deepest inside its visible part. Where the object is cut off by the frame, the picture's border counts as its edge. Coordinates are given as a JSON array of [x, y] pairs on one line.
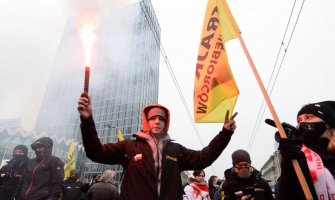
[[119, 135], [215, 90], [70, 162]]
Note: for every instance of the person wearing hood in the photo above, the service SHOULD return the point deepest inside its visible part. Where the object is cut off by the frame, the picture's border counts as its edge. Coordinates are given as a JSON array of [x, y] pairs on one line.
[[313, 146], [44, 175], [152, 162], [244, 182], [11, 174]]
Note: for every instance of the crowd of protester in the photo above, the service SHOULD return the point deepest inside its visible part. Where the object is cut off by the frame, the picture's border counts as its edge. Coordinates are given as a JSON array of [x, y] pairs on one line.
[[152, 164]]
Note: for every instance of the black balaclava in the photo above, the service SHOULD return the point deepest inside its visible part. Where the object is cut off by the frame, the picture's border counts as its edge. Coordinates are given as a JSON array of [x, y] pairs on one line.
[[18, 158]]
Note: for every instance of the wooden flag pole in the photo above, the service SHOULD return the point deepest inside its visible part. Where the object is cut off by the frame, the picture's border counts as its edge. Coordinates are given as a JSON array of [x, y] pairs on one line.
[[282, 133]]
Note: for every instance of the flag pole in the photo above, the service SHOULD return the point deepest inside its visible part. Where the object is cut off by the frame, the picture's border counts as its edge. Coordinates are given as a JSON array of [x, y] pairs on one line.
[[282, 133]]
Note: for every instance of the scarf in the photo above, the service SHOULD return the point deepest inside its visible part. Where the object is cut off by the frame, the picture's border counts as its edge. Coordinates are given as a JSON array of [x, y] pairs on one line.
[[324, 182], [200, 189]]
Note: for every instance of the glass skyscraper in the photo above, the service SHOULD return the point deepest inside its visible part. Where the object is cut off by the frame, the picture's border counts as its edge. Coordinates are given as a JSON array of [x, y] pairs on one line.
[[124, 79]]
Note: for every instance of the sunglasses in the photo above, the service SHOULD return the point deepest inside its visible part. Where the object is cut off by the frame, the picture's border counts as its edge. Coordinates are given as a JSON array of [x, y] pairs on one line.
[[241, 166]]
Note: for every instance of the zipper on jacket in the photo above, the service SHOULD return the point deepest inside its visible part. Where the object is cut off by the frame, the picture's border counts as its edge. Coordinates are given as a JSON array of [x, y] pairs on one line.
[[32, 179]]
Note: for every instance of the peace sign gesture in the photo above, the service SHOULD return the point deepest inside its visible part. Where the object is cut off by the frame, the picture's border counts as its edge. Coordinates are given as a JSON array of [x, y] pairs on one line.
[[230, 123]]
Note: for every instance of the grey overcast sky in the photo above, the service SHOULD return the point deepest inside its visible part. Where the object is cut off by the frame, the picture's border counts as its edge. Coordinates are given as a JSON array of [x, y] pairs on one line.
[[31, 31]]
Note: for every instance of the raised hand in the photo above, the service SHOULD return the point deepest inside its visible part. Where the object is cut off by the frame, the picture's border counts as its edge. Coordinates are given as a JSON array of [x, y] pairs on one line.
[[84, 105], [230, 123]]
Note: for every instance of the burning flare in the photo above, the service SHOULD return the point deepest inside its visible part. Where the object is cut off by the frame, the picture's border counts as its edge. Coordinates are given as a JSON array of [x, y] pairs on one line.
[[88, 37]]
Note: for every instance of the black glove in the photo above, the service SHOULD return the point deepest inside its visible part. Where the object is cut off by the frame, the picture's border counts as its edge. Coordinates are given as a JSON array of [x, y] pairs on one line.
[[290, 149], [5, 175]]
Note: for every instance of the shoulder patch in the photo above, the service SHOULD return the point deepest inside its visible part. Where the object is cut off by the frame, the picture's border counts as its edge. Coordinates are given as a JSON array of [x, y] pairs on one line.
[[171, 158]]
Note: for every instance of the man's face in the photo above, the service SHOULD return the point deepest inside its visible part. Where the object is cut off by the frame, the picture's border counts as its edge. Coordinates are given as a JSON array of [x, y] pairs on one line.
[[40, 151], [18, 152], [242, 167], [74, 176], [157, 124]]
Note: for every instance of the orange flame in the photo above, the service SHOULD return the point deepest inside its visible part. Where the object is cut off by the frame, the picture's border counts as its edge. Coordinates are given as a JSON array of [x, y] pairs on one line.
[[88, 37]]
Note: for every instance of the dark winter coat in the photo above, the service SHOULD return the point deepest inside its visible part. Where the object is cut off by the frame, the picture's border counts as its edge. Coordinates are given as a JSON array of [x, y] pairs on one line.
[[217, 194], [234, 184], [11, 178], [74, 190], [140, 178], [212, 191], [289, 186], [103, 191], [44, 176]]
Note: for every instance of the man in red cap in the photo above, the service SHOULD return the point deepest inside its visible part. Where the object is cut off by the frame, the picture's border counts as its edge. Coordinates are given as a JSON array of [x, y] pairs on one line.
[[152, 162]]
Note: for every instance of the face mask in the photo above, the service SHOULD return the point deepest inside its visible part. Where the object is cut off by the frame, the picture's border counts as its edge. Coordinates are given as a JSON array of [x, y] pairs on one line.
[[312, 131], [244, 174], [39, 154], [18, 157], [17, 160]]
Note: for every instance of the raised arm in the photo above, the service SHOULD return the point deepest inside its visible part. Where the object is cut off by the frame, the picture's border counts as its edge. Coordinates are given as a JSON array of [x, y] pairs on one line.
[[111, 153], [192, 160]]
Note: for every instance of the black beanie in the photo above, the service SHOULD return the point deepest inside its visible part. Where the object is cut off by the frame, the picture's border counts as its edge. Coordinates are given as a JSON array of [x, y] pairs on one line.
[[325, 110], [240, 156], [23, 148]]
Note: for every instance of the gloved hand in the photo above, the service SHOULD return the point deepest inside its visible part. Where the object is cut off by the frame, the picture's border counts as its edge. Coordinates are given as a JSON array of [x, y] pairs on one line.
[[5, 175], [290, 149]]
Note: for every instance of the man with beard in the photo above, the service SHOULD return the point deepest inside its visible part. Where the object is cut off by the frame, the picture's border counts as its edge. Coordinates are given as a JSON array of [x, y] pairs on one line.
[[73, 188], [244, 182], [44, 175], [11, 174]]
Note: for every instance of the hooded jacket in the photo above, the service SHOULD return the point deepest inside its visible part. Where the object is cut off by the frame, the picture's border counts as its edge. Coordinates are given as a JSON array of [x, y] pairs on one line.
[[234, 184], [147, 171], [44, 176], [11, 175]]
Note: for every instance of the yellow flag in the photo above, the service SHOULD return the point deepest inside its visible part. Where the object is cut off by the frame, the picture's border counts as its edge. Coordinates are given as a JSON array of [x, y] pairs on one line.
[[119, 135], [215, 90], [70, 162]]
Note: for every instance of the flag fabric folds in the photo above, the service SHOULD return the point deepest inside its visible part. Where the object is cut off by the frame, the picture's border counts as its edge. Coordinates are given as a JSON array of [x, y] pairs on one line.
[[70, 162], [215, 89], [119, 135]]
